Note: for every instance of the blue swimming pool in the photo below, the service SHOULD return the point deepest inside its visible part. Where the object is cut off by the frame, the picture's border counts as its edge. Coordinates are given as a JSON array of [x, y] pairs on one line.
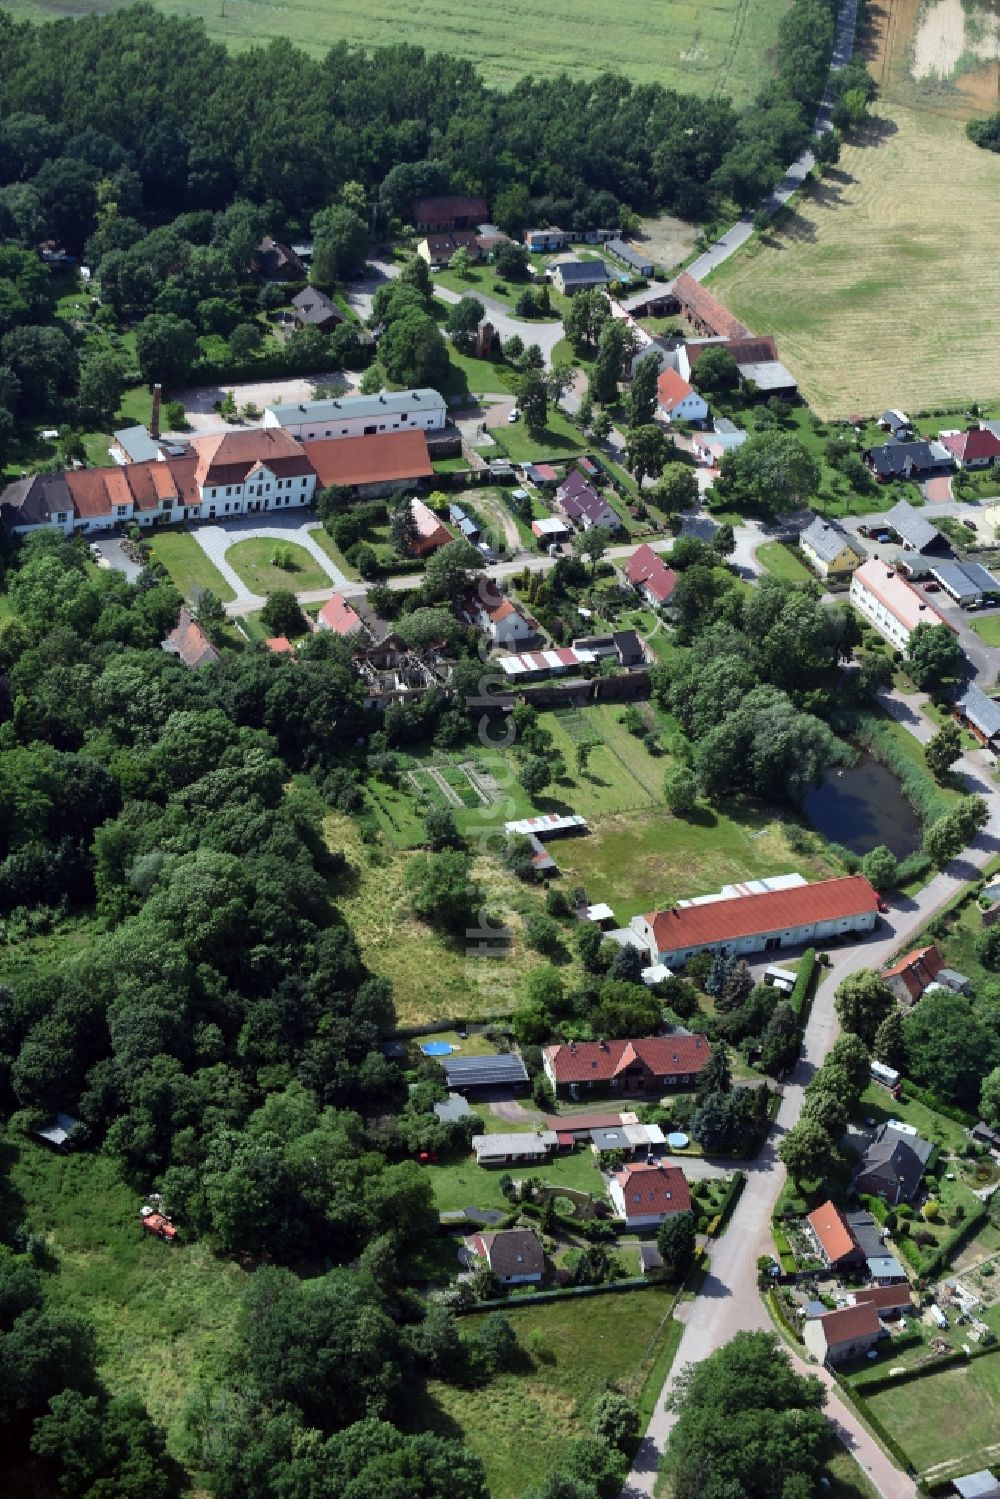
[[437, 1048]]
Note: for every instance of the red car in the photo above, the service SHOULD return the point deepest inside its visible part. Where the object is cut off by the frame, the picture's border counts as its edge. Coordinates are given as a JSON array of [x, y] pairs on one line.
[[882, 905]]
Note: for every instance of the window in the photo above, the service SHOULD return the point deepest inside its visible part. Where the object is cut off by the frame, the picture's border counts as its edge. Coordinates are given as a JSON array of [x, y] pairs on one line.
[[370, 431], [121, 510], [229, 489], [168, 504], [327, 433]]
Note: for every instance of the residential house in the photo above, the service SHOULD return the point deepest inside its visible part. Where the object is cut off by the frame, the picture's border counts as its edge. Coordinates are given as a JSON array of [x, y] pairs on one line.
[[650, 576], [527, 1147], [866, 1233], [908, 460], [361, 416], [914, 529], [470, 1074], [911, 975], [705, 312], [35, 502], [677, 400], [896, 422], [276, 261], [314, 309], [241, 472], [645, 1196], [759, 922], [372, 465], [515, 1255], [453, 211], [977, 448], [497, 615], [580, 502], [888, 1301], [893, 1165], [546, 241], [889, 603], [829, 550], [431, 531], [102, 497], [643, 1066], [639, 264], [842, 1335], [833, 1239], [711, 447], [188, 641], [338, 617], [571, 276], [280, 645], [437, 249]]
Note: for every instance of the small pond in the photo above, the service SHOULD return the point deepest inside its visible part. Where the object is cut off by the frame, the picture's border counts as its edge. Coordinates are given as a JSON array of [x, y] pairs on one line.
[[862, 806]]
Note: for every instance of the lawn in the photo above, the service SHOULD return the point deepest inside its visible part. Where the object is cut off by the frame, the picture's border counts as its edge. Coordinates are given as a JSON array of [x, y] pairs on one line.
[[643, 861], [559, 439], [987, 627], [519, 1423], [722, 49], [867, 281], [433, 975], [188, 566], [163, 1313], [782, 562], [948, 1421], [254, 560], [463, 1184], [877, 1104], [323, 539]]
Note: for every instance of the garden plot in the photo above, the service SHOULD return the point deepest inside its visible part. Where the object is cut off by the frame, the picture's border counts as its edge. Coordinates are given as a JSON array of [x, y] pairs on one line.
[[450, 785]]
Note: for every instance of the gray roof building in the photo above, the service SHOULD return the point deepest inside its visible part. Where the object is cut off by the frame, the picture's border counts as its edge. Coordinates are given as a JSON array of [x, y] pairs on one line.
[[505, 1071], [867, 1234], [912, 527], [981, 1485], [577, 275], [885, 1267], [981, 711], [36, 500], [768, 374], [137, 445], [453, 1108], [314, 309], [388, 403], [894, 1164], [827, 540], [637, 262]]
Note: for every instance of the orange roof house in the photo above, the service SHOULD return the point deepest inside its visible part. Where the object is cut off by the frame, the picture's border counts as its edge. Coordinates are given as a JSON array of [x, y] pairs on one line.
[[833, 1237], [385, 458], [642, 1065], [431, 532], [677, 396], [280, 645], [229, 457], [337, 616], [100, 492], [910, 976], [189, 641]]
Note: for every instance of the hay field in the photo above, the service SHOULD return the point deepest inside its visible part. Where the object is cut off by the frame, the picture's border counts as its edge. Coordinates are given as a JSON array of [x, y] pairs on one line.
[[884, 287], [716, 46]]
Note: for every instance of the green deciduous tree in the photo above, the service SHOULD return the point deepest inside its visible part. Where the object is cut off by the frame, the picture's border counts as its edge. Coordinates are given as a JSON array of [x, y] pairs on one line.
[[680, 790], [281, 614], [676, 1241], [863, 1000], [340, 239], [771, 472], [166, 348], [805, 1150], [933, 656]]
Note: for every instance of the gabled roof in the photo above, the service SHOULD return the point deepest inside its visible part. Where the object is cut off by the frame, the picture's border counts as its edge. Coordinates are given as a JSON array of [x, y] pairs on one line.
[[773, 911], [980, 710], [647, 568], [600, 1061], [386, 458], [827, 541], [832, 1233], [34, 500], [97, 491], [314, 307], [903, 602], [707, 309], [189, 641], [338, 616], [386, 403], [580, 272], [885, 1298], [650, 1191], [466, 1072], [137, 444], [672, 389], [897, 1159], [449, 206], [850, 1322], [280, 645], [973, 446], [912, 526], [228, 457], [515, 1251], [916, 970]]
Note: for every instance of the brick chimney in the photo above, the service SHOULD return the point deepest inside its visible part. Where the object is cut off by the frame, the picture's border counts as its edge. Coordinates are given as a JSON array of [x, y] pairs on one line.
[[154, 419]]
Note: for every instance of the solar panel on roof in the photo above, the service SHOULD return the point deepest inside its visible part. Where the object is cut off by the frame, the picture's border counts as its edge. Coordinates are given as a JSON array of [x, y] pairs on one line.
[[484, 1071]]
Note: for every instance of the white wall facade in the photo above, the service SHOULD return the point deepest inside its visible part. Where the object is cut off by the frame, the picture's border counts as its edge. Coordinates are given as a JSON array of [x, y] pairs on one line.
[[361, 416], [758, 942], [877, 614], [693, 408], [262, 490]]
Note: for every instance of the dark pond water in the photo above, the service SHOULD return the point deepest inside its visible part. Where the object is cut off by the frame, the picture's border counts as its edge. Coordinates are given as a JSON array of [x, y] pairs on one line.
[[862, 806]]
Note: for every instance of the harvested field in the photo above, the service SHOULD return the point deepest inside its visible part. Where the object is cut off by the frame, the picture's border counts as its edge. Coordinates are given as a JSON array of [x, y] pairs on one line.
[[666, 240], [942, 55], [883, 287], [721, 46]]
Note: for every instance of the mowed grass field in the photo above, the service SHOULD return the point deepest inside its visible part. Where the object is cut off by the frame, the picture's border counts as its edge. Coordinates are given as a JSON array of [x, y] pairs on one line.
[[948, 1423], [719, 46], [884, 287]]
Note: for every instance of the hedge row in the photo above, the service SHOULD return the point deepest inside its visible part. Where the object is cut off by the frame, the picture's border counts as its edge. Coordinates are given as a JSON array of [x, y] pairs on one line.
[[888, 1441], [802, 992], [938, 1106], [732, 1198], [539, 1298], [955, 1240], [780, 1315], [908, 1376]]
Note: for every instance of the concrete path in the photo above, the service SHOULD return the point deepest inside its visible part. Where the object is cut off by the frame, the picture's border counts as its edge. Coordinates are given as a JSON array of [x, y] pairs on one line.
[[729, 1301], [215, 541], [546, 334]]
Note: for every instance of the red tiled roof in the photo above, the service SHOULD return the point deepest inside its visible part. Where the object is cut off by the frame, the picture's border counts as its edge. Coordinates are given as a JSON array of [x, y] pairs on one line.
[[183, 471], [189, 641], [977, 444], [437, 210], [385, 458], [280, 645], [581, 1123], [227, 457], [749, 350], [647, 567], [96, 491], [916, 970], [707, 309], [832, 1232], [595, 1061], [338, 616], [150, 483], [850, 1322], [431, 530], [672, 389], [654, 1189], [751, 915], [546, 471], [885, 1297]]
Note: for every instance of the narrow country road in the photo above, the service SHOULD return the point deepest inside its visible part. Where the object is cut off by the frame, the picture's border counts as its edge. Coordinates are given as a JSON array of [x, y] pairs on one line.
[[729, 1301]]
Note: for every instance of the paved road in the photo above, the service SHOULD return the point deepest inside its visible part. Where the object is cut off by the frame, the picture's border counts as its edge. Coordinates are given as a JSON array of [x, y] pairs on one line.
[[729, 1301], [216, 540]]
